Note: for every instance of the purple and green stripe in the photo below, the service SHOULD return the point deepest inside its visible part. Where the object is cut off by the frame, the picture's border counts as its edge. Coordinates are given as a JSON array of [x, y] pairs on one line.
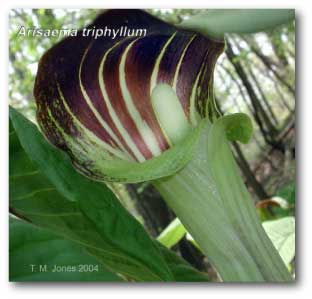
[[97, 93]]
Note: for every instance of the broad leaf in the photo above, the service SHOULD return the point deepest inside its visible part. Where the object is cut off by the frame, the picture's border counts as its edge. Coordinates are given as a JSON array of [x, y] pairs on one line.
[[49, 193], [34, 253], [288, 192], [217, 22], [282, 234], [52, 194], [181, 270]]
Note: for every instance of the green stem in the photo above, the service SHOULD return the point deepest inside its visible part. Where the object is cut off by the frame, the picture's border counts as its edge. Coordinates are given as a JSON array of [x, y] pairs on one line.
[[212, 202]]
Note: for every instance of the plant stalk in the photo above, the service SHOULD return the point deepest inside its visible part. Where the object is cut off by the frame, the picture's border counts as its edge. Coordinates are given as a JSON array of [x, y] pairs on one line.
[[212, 202]]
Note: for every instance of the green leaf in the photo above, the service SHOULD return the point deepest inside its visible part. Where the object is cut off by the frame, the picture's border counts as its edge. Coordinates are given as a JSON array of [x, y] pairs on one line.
[[50, 193], [288, 195], [47, 196], [180, 269], [288, 192], [172, 234], [217, 22], [282, 234], [34, 253]]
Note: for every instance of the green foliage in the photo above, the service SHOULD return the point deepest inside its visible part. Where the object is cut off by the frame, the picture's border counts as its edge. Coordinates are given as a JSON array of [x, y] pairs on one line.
[[95, 218], [217, 22], [77, 220], [288, 192], [172, 234], [286, 208], [51, 194], [34, 253], [282, 235], [181, 270]]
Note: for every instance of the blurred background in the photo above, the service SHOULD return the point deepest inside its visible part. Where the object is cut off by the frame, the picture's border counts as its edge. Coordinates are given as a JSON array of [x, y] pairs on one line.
[[255, 75]]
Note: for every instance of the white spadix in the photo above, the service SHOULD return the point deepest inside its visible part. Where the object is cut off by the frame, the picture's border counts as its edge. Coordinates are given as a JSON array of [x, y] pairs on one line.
[[169, 113]]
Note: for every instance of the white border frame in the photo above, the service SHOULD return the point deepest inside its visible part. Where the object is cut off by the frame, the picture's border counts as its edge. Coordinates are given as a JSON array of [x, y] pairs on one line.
[[304, 149]]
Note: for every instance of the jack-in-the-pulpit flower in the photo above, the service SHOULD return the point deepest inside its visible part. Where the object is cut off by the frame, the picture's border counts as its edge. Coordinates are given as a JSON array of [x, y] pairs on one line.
[[112, 102], [139, 108]]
